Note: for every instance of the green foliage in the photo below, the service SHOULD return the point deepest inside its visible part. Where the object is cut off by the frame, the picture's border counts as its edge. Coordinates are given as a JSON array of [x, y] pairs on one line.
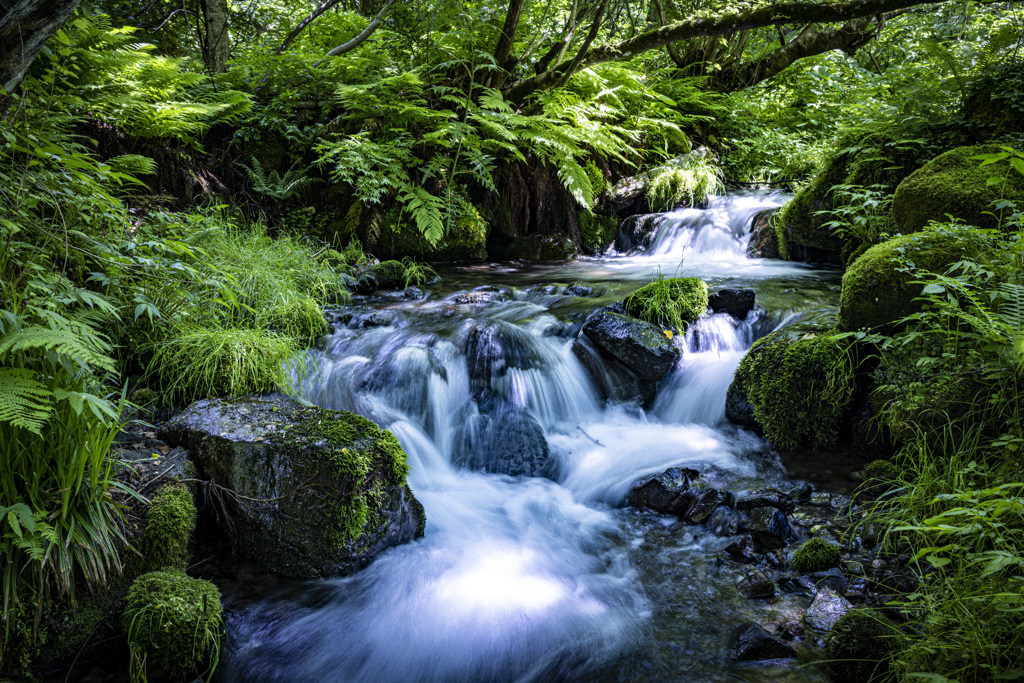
[[860, 215], [417, 273], [672, 302], [170, 521], [799, 388], [690, 180], [859, 647], [174, 622], [815, 556], [275, 186]]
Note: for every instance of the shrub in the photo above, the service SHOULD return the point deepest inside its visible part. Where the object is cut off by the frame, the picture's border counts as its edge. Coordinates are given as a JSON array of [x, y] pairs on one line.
[[816, 555], [673, 302], [173, 621], [688, 181]]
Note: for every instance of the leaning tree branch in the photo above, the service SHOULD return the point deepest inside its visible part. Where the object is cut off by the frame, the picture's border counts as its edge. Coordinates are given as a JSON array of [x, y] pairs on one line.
[[367, 32], [304, 23], [774, 14]]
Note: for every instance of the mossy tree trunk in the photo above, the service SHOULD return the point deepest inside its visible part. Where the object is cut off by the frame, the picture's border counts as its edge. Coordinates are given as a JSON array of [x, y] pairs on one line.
[[217, 42]]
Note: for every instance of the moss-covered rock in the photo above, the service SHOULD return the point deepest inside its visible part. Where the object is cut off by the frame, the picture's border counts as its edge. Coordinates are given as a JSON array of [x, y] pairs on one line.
[[877, 290], [324, 490], [170, 521], [466, 241], [816, 555], [954, 184], [173, 622], [597, 232], [859, 647], [541, 249], [298, 317], [799, 388], [672, 302]]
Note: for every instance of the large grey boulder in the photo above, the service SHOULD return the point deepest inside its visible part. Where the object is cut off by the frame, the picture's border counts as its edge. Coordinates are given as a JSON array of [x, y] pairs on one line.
[[313, 492]]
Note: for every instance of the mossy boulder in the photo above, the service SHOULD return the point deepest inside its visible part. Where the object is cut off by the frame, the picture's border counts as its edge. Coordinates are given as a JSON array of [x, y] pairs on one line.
[[170, 521], [672, 302], [860, 646], [320, 492], [877, 290], [800, 388], [642, 348], [816, 555], [466, 241], [597, 232], [953, 183], [173, 622]]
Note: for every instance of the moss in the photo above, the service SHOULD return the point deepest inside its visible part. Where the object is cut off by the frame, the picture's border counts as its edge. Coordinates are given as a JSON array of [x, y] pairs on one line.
[[170, 521], [366, 456], [465, 241], [816, 555], [175, 622], [598, 232], [877, 290], [879, 471], [673, 302], [800, 389], [389, 274], [954, 184], [859, 647]]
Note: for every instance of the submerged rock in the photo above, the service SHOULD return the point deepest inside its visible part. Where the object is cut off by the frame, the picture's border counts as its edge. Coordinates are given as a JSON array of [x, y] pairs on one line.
[[508, 442], [319, 492], [751, 643], [638, 232], [736, 302], [668, 492], [756, 584], [638, 345], [770, 528], [826, 610]]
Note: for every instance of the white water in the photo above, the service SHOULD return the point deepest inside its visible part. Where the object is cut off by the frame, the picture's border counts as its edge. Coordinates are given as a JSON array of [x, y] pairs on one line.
[[517, 578]]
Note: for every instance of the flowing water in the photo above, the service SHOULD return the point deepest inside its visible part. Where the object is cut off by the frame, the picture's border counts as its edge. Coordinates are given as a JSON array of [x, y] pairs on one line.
[[539, 578]]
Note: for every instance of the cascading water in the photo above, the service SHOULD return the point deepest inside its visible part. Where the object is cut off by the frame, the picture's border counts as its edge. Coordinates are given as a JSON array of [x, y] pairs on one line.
[[527, 571]]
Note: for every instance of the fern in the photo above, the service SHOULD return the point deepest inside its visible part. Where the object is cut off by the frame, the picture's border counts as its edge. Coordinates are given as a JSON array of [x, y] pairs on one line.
[[274, 185], [24, 401]]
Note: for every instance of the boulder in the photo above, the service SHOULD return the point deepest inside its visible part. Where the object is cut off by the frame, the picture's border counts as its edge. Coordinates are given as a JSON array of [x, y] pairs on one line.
[[743, 551], [668, 492], [738, 409], [756, 584], [638, 232], [704, 502], [877, 292], [320, 492], [764, 238], [751, 643], [770, 528], [860, 645], [638, 345], [736, 302], [766, 497], [384, 275], [464, 242], [954, 184], [541, 249], [613, 380], [833, 579], [508, 441], [826, 610]]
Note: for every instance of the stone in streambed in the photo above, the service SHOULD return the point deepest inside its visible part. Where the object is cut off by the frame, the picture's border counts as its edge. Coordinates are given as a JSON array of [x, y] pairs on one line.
[[704, 503], [756, 584], [826, 609], [766, 497], [770, 528], [643, 348], [751, 643], [736, 302], [319, 492], [668, 492]]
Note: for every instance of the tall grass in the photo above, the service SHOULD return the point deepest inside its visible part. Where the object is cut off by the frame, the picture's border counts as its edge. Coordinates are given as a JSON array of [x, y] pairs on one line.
[[689, 181]]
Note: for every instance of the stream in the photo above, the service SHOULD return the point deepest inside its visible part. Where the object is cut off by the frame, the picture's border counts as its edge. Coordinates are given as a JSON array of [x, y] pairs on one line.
[[528, 578]]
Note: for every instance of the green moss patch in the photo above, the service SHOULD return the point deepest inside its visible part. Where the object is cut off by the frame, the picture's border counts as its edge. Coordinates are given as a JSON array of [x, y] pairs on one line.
[[859, 647], [170, 521], [174, 622], [799, 389], [672, 302], [598, 232], [954, 184], [816, 555], [878, 289]]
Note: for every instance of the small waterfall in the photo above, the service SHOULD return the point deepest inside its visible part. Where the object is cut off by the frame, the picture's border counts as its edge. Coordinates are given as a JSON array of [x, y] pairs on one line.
[[722, 229]]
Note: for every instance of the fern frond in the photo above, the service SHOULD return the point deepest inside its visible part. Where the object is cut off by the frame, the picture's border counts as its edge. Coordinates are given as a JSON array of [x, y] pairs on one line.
[[24, 401], [84, 351]]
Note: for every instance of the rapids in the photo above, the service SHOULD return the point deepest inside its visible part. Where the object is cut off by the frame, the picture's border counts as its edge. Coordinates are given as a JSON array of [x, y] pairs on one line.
[[522, 578]]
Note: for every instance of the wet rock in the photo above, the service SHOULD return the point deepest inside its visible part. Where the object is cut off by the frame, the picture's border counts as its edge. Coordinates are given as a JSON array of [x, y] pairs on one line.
[[477, 298], [790, 630], [704, 503], [738, 410], [833, 579], [766, 497], [770, 528], [764, 239], [506, 442], [379, 319], [638, 232], [413, 293], [801, 493], [638, 345], [751, 643], [736, 302], [493, 348], [801, 585], [581, 291], [273, 450], [668, 492], [743, 550], [826, 609], [612, 380], [756, 584]]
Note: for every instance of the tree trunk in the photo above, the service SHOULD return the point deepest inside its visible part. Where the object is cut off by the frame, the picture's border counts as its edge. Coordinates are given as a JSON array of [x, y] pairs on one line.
[[23, 31], [218, 42]]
